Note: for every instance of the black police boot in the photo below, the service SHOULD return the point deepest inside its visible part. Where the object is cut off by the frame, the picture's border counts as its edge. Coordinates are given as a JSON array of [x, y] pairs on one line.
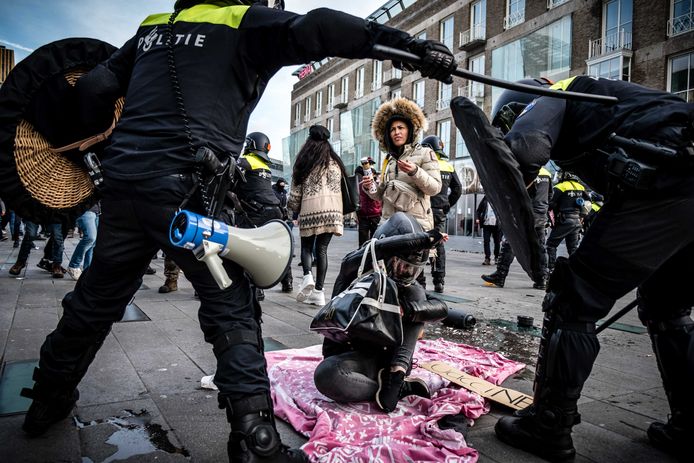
[[673, 342], [495, 279], [542, 430], [288, 283], [253, 437], [50, 404], [438, 284], [540, 283], [674, 436], [259, 294]]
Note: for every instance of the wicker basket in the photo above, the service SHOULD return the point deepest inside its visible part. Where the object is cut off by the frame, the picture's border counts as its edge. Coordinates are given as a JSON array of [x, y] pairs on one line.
[[51, 178]]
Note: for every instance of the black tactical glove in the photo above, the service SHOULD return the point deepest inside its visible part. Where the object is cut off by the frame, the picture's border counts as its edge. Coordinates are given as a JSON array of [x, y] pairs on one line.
[[437, 60]]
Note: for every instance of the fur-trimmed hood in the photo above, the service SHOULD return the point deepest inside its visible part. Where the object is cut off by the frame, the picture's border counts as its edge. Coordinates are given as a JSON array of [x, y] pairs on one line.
[[408, 109]]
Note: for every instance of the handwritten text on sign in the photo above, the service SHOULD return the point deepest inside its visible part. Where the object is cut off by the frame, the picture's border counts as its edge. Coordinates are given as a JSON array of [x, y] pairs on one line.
[[509, 397]]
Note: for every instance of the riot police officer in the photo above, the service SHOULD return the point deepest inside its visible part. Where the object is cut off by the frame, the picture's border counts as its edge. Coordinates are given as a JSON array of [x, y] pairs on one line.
[[184, 98], [258, 202], [639, 153], [441, 203], [541, 193], [567, 205]]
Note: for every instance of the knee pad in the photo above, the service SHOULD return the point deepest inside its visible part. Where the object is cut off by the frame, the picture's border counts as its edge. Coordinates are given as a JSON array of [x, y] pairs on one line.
[[229, 339]]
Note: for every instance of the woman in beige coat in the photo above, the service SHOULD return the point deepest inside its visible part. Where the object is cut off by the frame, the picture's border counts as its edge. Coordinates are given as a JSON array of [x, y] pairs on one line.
[[316, 195], [411, 175]]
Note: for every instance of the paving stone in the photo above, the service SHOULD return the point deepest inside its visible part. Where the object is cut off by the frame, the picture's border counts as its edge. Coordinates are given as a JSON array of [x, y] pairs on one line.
[[59, 444]]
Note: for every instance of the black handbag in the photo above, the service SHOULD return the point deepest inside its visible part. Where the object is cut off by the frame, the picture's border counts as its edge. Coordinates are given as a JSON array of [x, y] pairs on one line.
[[366, 311], [350, 194]]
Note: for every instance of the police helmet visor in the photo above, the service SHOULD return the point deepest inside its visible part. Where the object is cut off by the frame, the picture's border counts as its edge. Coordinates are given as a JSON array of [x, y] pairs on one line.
[[403, 271]]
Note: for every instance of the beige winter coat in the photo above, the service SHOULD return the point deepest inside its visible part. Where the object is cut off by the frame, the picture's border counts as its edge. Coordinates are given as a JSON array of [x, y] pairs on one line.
[[398, 190], [319, 202], [410, 193]]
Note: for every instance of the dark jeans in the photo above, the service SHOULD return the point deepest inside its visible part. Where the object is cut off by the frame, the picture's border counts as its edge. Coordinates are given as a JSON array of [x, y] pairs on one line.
[[489, 232], [438, 268], [30, 231], [353, 376], [55, 246], [568, 229], [367, 227], [134, 225], [321, 243]]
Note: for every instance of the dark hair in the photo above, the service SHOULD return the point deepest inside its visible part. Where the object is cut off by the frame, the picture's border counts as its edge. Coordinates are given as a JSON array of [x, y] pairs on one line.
[[315, 154]]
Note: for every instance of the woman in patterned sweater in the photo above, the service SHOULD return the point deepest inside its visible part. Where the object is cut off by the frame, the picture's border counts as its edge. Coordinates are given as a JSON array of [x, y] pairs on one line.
[[317, 196]]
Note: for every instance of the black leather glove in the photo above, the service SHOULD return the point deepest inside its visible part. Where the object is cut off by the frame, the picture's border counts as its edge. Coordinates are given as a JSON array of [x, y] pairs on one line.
[[437, 60], [417, 308]]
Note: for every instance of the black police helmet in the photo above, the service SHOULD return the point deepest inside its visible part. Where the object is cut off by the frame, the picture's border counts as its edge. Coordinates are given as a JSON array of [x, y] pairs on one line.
[[512, 102], [276, 4], [566, 176], [435, 143], [404, 268], [259, 144]]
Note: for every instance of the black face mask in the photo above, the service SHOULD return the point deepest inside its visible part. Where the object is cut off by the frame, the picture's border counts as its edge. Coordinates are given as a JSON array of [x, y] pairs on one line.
[[280, 186]]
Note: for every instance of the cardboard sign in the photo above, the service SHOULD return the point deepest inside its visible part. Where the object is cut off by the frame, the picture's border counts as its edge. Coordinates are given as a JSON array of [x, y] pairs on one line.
[[504, 396]]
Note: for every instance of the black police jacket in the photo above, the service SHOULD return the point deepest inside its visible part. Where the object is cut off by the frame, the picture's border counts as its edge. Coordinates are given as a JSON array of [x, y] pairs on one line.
[[571, 132], [541, 194], [568, 198], [225, 55], [257, 191], [449, 180]]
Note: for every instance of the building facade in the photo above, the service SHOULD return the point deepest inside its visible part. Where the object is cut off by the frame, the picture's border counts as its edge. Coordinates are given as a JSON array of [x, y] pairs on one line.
[[6, 62], [650, 42]]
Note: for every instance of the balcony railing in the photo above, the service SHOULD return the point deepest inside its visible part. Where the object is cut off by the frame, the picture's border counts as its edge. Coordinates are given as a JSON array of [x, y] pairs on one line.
[[614, 42], [680, 24], [514, 19], [475, 34], [341, 101], [552, 3], [392, 77], [686, 95], [443, 103]]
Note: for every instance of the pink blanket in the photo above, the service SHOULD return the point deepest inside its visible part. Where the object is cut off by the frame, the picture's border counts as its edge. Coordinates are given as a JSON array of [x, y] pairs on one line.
[[361, 432]]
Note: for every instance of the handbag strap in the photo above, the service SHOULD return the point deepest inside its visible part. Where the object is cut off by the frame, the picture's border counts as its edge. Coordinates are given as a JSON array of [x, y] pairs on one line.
[[371, 248]]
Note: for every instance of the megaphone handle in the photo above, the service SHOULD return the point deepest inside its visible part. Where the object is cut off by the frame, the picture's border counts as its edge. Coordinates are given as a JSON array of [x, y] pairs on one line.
[[210, 256]]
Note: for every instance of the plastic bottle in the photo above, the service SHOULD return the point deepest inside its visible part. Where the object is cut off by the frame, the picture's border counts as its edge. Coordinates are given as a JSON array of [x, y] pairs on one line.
[[369, 173]]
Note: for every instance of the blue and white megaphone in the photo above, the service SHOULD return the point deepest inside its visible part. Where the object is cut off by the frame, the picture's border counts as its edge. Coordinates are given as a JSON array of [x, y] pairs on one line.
[[264, 252]]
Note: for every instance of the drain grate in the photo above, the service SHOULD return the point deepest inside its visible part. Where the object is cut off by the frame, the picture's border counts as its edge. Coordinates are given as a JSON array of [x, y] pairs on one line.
[[134, 314], [15, 376]]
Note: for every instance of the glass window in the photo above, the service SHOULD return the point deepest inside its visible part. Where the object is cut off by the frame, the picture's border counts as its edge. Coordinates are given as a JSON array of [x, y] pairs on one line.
[[617, 24], [344, 89], [331, 96], [422, 35], [377, 79], [329, 124], [515, 13], [396, 93], [617, 68], [682, 17], [355, 134], [478, 20], [319, 103], [445, 95], [460, 148], [476, 92], [418, 92], [297, 113], [545, 52], [682, 77], [446, 32], [359, 90], [443, 130], [307, 109]]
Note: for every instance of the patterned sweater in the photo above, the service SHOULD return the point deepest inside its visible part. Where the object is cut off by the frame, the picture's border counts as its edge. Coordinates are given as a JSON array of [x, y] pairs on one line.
[[319, 202]]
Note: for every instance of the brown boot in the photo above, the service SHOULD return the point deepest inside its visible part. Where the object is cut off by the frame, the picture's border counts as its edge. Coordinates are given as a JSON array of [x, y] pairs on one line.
[[58, 271], [17, 268], [169, 286]]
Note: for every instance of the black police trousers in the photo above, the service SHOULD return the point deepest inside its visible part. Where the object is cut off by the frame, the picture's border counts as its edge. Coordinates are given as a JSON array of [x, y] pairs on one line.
[[133, 226], [506, 256], [566, 227], [634, 242]]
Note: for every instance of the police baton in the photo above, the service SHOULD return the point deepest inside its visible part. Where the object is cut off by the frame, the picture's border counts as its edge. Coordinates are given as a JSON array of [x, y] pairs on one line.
[[388, 53], [616, 316]]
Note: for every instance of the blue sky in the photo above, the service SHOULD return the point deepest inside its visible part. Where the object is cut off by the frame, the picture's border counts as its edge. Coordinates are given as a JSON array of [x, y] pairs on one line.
[[27, 24]]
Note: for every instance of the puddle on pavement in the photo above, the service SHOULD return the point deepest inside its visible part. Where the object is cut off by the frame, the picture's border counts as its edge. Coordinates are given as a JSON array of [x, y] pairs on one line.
[[135, 435], [501, 336]]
